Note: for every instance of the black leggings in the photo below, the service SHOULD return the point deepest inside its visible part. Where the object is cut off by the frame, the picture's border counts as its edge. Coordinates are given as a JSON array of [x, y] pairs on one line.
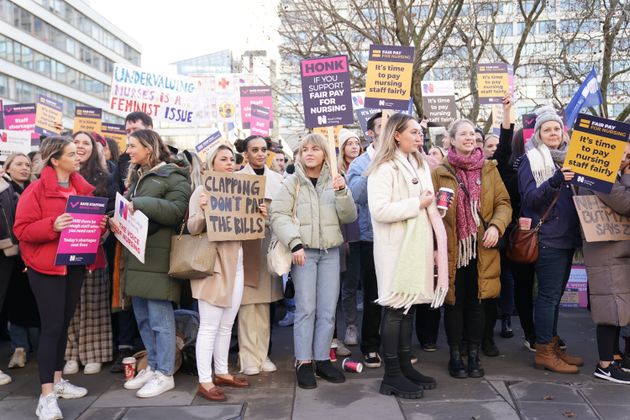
[[57, 298], [524, 296], [396, 330], [607, 342], [468, 308]]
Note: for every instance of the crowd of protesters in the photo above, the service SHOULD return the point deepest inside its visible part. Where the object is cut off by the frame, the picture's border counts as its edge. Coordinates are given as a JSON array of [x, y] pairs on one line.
[[366, 233]]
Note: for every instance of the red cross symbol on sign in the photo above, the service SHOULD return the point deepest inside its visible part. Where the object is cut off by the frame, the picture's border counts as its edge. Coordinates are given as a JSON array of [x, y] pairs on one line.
[[223, 83]]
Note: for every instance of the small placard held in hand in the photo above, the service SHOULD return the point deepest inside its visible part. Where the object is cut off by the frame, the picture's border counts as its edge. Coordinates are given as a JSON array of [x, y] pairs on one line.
[[233, 212]]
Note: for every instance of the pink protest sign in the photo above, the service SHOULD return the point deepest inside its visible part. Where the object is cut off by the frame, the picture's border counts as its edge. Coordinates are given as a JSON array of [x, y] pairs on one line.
[[78, 244], [255, 95], [20, 117]]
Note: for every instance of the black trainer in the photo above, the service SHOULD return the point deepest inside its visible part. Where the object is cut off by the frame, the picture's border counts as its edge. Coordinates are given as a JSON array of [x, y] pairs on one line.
[[117, 366], [372, 360], [305, 375], [506, 327], [562, 344], [325, 370], [613, 373], [489, 348], [430, 347]]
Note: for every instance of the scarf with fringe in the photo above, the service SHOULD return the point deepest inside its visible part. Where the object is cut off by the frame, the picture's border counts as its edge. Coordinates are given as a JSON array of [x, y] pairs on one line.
[[544, 161], [468, 170]]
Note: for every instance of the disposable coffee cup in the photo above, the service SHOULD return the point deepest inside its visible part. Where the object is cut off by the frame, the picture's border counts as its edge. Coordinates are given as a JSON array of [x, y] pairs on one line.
[[333, 355], [350, 365], [129, 364], [443, 198]]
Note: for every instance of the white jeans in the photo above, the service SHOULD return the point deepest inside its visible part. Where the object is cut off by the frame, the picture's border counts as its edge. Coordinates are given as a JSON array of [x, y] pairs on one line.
[[215, 330]]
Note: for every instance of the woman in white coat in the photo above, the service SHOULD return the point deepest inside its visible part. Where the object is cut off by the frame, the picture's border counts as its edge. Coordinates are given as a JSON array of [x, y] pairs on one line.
[[405, 219]]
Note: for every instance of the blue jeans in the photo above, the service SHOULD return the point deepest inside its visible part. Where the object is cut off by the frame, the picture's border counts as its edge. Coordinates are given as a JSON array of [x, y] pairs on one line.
[[552, 271], [156, 323], [21, 336], [316, 295]]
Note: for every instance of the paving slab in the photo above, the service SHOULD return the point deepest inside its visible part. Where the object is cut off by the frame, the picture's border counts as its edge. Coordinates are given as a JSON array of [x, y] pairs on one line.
[[551, 411], [215, 412], [24, 408], [601, 392], [546, 393], [117, 396], [103, 413], [340, 401], [263, 404], [488, 410], [613, 412]]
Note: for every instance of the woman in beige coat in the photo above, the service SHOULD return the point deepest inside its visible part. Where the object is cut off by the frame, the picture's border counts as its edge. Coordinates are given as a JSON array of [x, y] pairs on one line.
[[261, 287], [404, 219], [219, 295]]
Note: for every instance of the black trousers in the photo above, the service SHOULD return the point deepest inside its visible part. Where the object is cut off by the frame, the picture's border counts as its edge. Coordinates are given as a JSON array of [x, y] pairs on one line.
[[57, 298], [371, 324], [427, 323], [396, 331], [490, 310], [608, 342], [7, 265], [467, 310], [524, 296]]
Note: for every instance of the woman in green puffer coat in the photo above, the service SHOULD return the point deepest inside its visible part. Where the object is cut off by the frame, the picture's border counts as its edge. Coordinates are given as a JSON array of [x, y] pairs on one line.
[[158, 186]]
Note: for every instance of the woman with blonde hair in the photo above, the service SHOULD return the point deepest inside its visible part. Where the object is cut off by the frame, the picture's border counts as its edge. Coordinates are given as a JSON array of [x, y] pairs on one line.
[[321, 204], [405, 219], [219, 295]]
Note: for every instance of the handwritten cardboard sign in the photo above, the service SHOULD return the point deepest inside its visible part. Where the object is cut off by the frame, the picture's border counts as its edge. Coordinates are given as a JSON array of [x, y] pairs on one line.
[[48, 116], [493, 80], [134, 228], [596, 150], [388, 83], [232, 213], [87, 118], [599, 222], [326, 91], [78, 243]]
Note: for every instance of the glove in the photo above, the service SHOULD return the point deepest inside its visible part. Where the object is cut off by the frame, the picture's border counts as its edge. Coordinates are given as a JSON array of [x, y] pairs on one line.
[[556, 180]]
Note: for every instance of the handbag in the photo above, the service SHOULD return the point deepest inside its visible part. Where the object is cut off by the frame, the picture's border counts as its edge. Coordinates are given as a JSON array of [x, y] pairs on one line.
[[192, 256], [279, 256], [523, 244]]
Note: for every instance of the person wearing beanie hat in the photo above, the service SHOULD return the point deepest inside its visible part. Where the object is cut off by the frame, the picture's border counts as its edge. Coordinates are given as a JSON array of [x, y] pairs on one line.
[[349, 148], [544, 185]]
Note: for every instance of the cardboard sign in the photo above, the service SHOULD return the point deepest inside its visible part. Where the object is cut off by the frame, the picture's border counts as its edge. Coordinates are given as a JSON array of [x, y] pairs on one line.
[[260, 118], [324, 132], [202, 147], [48, 116], [134, 228], [596, 150], [326, 92], [493, 80], [165, 97], [115, 132], [21, 117], [87, 118], [599, 222], [438, 101], [78, 243], [232, 213], [14, 142], [388, 83], [255, 95], [576, 293]]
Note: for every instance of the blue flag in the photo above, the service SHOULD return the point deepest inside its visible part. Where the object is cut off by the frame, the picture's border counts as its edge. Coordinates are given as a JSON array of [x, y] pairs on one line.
[[586, 96]]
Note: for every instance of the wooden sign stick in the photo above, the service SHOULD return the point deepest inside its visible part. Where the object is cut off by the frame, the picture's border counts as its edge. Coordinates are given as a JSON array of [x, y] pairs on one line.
[[332, 152]]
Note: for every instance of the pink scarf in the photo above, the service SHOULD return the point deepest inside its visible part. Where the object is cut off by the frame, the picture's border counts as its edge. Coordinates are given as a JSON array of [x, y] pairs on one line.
[[468, 170]]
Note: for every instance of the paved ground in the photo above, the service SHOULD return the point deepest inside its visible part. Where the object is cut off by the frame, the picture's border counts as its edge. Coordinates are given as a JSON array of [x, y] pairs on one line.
[[512, 389]]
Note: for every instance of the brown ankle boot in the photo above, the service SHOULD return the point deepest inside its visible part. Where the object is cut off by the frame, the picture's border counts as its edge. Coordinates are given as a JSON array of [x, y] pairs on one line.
[[562, 354], [547, 358]]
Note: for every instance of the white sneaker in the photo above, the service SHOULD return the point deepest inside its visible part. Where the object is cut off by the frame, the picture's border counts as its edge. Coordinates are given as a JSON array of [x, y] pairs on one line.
[[18, 358], [159, 384], [341, 350], [288, 319], [250, 371], [141, 378], [268, 366], [92, 368], [71, 367], [47, 408], [352, 336], [4, 378], [64, 389]]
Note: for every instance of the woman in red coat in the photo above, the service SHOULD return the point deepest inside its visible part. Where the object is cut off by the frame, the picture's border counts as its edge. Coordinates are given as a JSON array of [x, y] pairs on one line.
[[40, 217]]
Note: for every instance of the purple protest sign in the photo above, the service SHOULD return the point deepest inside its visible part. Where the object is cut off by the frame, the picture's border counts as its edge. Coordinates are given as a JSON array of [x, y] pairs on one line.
[[260, 120], [255, 95], [326, 92], [78, 244]]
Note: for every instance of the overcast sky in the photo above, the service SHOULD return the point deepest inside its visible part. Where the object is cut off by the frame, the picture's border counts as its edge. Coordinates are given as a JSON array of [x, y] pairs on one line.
[[176, 30]]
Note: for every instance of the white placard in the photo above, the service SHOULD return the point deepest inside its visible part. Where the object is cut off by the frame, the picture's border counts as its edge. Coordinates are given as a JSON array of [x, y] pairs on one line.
[[133, 228]]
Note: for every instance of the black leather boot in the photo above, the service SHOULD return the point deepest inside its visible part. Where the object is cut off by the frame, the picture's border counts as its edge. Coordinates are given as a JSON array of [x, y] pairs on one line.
[[395, 383], [456, 366], [474, 365], [407, 369]]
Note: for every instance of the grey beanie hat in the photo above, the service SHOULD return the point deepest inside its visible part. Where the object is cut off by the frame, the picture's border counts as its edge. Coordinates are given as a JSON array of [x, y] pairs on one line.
[[544, 114]]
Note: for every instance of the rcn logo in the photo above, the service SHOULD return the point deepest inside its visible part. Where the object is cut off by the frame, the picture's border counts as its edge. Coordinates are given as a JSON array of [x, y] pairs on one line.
[[428, 88], [580, 179], [73, 257], [123, 210], [381, 102], [321, 120]]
